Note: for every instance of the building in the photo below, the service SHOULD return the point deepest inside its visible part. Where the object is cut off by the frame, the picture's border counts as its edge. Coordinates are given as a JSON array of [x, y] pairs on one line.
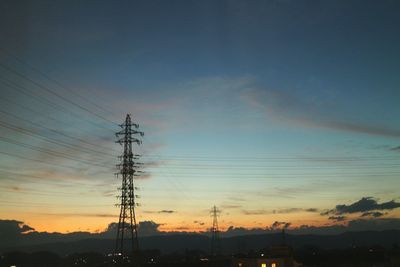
[[277, 256]]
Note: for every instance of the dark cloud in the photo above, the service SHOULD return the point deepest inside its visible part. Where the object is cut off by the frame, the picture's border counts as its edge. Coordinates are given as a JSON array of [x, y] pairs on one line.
[[231, 206], [167, 211], [289, 210], [312, 210], [11, 230], [148, 228], [199, 222], [397, 148], [280, 225], [365, 204], [14, 226], [160, 211], [337, 218], [373, 214], [237, 231]]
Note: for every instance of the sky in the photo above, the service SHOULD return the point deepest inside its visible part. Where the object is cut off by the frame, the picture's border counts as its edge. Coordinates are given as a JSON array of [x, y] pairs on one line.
[[274, 111]]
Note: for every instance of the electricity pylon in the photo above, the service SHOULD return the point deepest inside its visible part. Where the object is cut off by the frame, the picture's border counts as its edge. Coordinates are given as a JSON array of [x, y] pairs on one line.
[[215, 241], [128, 170]]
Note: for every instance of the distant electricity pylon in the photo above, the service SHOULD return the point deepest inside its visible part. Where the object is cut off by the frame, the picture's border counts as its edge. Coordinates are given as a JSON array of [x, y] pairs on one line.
[[215, 241], [128, 170]]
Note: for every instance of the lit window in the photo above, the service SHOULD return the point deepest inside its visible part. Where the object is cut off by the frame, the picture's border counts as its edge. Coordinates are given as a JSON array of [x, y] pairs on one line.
[[273, 265], [263, 265]]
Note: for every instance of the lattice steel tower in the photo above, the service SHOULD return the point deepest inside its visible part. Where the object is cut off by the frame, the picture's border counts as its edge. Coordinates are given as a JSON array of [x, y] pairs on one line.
[[128, 170], [215, 241]]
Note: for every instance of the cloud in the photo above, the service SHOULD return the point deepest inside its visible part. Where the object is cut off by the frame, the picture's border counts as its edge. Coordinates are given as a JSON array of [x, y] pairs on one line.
[[278, 211], [148, 228], [167, 211], [311, 210], [373, 214], [293, 210], [337, 218], [397, 148], [280, 225], [145, 228], [231, 206], [307, 113], [160, 211], [365, 204], [12, 230], [237, 231], [255, 212]]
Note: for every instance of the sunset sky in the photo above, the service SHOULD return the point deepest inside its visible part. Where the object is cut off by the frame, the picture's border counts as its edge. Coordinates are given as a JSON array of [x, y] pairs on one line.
[[273, 110]]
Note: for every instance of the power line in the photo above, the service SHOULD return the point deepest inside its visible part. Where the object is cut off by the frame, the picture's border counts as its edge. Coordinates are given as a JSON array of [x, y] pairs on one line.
[[50, 152], [55, 106], [285, 167], [52, 182], [56, 132], [45, 88], [272, 158], [31, 111], [47, 139], [56, 82], [37, 70]]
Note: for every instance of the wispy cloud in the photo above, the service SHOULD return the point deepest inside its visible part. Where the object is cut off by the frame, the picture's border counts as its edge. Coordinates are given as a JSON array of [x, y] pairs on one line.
[[307, 113], [278, 211], [293, 210], [397, 148], [160, 211]]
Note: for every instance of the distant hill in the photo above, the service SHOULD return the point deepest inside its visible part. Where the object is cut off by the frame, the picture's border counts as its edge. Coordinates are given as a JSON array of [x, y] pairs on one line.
[[182, 242]]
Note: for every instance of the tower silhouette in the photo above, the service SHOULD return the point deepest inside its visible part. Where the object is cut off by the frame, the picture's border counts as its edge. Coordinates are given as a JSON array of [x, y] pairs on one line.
[[128, 170], [215, 241]]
